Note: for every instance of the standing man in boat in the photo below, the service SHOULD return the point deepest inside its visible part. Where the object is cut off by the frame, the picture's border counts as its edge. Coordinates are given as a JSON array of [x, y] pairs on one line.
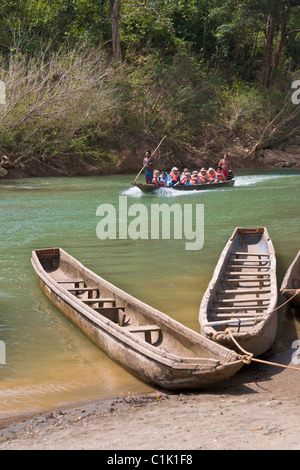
[[148, 163], [225, 165]]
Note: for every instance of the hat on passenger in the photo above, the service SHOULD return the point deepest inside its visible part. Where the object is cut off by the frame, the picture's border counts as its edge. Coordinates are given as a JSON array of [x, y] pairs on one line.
[[203, 169]]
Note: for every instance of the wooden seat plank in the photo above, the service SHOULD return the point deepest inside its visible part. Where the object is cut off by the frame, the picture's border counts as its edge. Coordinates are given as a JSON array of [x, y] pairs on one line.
[[232, 273], [84, 289], [248, 266], [243, 260], [246, 280], [239, 308], [257, 299], [247, 291], [244, 253], [147, 329], [141, 328], [237, 315]]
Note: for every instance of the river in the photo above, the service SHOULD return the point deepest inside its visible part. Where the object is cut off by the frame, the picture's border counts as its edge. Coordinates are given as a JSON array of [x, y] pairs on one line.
[[48, 362]]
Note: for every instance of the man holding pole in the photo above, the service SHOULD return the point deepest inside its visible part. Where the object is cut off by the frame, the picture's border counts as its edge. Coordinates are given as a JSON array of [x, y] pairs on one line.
[[148, 163]]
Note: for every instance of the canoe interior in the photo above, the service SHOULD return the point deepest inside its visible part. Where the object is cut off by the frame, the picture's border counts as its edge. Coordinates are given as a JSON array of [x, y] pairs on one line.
[[242, 290], [108, 303]]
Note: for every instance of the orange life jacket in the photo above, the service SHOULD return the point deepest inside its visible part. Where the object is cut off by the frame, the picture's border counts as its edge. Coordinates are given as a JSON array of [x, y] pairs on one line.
[[174, 177], [204, 178], [185, 180]]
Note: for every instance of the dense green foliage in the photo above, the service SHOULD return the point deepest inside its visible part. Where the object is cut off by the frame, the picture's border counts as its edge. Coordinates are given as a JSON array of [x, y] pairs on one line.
[[192, 69]]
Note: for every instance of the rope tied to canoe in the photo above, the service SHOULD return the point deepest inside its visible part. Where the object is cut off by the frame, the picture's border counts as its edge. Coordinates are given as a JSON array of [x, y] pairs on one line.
[[248, 357], [256, 321], [288, 300]]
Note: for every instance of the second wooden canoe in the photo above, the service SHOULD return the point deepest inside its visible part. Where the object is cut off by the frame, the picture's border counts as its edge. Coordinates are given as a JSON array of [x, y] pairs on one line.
[[242, 293], [145, 341], [291, 282]]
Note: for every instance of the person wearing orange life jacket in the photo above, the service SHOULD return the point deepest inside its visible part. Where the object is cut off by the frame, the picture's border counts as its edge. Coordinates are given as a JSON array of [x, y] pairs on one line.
[[194, 177], [212, 175], [186, 178], [175, 177], [219, 174], [203, 176], [183, 176]]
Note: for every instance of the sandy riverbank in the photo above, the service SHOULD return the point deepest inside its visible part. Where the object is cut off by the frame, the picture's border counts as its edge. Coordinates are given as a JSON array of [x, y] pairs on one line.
[[258, 408]]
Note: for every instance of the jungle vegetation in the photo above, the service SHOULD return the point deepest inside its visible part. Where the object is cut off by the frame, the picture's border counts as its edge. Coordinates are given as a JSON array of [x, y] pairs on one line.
[[83, 77]]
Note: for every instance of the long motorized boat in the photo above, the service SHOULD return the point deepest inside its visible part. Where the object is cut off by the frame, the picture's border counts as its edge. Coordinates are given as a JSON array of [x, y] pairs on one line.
[[242, 293], [145, 341], [290, 286], [149, 187]]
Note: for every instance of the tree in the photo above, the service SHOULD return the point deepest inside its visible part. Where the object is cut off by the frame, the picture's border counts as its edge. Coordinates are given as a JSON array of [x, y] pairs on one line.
[[277, 17], [115, 30], [266, 66]]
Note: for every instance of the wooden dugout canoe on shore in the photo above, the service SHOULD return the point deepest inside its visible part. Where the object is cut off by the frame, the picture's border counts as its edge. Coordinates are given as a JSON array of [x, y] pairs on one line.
[[145, 341], [242, 293], [291, 282], [150, 188]]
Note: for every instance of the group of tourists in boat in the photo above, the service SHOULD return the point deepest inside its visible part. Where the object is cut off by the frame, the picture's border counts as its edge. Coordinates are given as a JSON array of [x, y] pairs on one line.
[[223, 172]]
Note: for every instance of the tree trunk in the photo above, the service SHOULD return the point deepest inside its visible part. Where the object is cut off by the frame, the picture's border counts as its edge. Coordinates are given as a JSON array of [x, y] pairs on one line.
[[266, 68], [280, 43], [115, 30]]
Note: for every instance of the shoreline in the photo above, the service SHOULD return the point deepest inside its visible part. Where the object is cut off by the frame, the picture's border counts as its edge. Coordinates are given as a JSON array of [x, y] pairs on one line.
[[272, 160], [256, 409]]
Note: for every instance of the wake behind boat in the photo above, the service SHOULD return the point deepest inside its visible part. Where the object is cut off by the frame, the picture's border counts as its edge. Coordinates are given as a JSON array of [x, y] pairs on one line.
[[145, 341], [242, 293], [149, 187]]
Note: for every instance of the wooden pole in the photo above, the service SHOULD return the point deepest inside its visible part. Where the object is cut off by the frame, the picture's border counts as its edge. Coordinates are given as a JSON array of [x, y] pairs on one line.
[[151, 155]]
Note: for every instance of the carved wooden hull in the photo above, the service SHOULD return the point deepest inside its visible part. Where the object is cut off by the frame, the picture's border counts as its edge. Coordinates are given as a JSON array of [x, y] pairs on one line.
[[145, 341], [242, 293]]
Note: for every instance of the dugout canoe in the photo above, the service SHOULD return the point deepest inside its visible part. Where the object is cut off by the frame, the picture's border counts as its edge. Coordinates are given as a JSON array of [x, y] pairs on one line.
[[145, 341], [242, 293], [291, 282], [150, 188]]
